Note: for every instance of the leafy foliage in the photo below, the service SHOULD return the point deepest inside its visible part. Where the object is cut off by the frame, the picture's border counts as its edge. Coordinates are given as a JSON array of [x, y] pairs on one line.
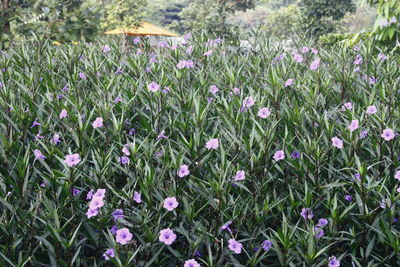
[[321, 16], [167, 13], [210, 16], [43, 201], [123, 13], [66, 20], [387, 23], [283, 22]]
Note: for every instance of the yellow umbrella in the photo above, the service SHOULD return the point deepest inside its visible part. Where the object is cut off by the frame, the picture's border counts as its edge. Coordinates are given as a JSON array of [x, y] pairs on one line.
[[145, 29]]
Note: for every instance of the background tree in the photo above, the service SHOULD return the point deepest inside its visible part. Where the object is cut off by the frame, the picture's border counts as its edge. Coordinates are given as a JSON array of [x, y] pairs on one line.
[[387, 23], [321, 16], [283, 22], [123, 13], [211, 15], [166, 13]]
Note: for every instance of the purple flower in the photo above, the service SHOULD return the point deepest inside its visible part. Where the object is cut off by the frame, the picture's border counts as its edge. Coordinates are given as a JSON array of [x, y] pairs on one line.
[[92, 212], [236, 91], [63, 114], [279, 155], [117, 214], [197, 253], [235, 246], [295, 155], [166, 90], [72, 159], [371, 110], [322, 222], [347, 105], [266, 245], [183, 171], [217, 41], [336, 142], [315, 64], [38, 137], [35, 123], [388, 134], [167, 236], [170, 203], [82, 75], [98, 122], [358, 60], [55, 139], [212, 144], [305, 49], [181, 64], [153, 59], [89, 195], [382, 57], [333, 262], [96, 203], [278, 58], [124, 160], [320, 232], [106, 48], [289, 82], [163, 44], [109, 254], [264, 113], [226, 226], [307, 213], [100, 193], [348, 198], [187, 36], [159, 153], [136, 40], [38, 154], [132, 131], [75, 191], [114, 229], [117, 100], [240, 175], [363, 134], [189, 50], [372, 80], [357, 176], [208, 53], [185, 64], [247, 103], [153, 87], [314, 51], [298, 58], [161, 135], [397, 175], [123, 236], [125, 150], [353, 125], [191, 263], [213, 89], [137, 197]]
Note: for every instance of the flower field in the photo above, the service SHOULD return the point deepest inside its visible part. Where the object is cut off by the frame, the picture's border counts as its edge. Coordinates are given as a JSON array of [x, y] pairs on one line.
[[199, 154]]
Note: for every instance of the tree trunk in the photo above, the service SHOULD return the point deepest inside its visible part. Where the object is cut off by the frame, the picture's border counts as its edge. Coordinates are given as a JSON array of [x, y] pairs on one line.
[[6, 27]]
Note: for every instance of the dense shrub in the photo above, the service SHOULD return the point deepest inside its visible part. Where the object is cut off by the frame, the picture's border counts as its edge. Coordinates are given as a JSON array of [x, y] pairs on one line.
[[283, 22], [299, 165]]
